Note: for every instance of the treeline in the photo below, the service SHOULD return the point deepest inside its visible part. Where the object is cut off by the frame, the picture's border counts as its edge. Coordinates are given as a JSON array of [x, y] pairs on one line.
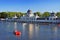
[[10, 14], [19, 14]]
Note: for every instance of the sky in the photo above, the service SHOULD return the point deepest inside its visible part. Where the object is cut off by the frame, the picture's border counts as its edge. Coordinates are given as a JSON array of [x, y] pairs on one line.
[[34, 5]]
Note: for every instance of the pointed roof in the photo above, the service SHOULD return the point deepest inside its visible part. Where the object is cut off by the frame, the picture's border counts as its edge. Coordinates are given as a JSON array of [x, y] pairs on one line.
[[29, 10], [52, 12]]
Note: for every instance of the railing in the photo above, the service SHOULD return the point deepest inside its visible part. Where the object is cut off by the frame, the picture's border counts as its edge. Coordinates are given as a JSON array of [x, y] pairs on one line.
[[34, 20]]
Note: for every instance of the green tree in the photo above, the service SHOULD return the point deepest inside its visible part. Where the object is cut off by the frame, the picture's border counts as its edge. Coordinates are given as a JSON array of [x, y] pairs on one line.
[[11, 14], [3, 15], [45, 14], [37, 13], [58, 14], [19, 14]]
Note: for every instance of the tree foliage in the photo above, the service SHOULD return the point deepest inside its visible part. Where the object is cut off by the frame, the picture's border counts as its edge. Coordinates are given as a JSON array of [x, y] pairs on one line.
[[37, 13], [58, 14], [10, 14], [45, 14], [19, 14], [3, 15]]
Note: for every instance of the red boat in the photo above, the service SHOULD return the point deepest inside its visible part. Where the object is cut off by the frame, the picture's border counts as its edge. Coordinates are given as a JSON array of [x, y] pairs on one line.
[[17, 33]]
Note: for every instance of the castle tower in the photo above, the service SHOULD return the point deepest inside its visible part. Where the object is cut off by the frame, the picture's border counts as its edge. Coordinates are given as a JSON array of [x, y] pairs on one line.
[[52, 14], [29, 13]]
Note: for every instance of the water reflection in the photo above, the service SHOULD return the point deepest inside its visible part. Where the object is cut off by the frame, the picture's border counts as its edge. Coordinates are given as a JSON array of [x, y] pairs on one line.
[[39, 32], [29, 31], [37, 29], [54, 34], [15, 25], [25, 32]]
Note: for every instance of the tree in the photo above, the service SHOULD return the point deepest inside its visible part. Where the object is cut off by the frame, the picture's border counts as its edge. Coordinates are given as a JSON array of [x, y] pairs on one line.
[[3, 15], [19, 14], [11, 14], [45, 14], [37, 13], [58, 14]]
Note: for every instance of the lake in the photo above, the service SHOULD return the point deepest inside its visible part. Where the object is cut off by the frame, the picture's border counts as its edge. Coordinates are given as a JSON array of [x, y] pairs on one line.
[[29, 31]]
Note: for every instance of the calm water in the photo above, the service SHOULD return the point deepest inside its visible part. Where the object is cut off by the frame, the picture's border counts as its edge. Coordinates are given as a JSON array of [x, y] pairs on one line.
[[29, 31]]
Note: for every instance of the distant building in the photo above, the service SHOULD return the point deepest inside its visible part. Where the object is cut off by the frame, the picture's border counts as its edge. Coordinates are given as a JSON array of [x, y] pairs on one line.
[[52, 16], [15, 16], [29, 13]]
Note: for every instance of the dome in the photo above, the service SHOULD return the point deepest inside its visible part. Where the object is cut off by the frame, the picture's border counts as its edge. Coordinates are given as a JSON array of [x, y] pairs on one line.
[[29, 11]]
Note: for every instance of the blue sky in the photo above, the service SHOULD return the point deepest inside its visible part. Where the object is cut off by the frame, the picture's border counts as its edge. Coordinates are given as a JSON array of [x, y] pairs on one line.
[[34, 5]]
